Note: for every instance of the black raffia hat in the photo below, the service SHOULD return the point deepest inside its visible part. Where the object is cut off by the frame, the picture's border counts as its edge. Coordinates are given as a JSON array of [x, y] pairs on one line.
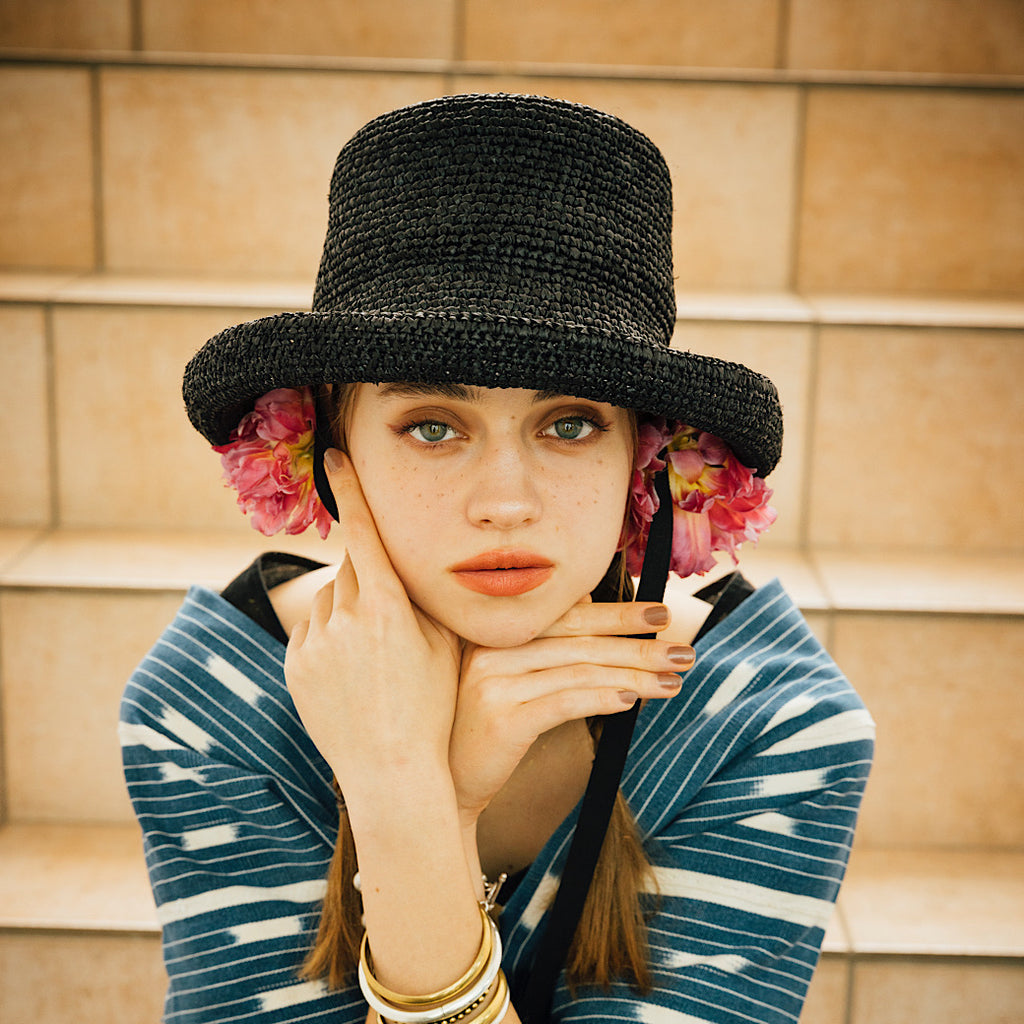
[[498, 241]]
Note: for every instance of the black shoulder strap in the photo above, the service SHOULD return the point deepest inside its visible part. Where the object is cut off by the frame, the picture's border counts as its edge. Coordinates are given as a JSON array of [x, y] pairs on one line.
[[724, 595], [599, 799]]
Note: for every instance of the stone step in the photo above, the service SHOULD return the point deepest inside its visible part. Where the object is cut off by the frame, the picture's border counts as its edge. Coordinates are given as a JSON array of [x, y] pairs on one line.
[[79, 939], [149, 163], [924, 937], [99, 356], [917, 938]]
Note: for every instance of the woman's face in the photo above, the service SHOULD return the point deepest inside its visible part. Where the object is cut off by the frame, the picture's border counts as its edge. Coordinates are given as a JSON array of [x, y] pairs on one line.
[[499, 508]]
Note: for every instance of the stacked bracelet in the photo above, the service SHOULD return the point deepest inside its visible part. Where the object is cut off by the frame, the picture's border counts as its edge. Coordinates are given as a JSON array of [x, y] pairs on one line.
[[454, 1002]]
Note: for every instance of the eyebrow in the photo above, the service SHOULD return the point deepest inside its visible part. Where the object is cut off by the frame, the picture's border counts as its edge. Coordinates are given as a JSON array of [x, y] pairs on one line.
[[458, 392]]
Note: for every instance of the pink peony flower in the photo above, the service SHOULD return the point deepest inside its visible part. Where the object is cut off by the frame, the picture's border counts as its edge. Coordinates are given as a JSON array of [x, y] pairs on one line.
[[718, 502], [269, 461]]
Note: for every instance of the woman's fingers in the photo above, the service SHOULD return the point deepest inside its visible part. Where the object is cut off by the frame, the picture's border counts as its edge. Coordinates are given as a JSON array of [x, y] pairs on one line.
[[568, 705], [583, 680], [621, 618], [593, 651], [367, 562]]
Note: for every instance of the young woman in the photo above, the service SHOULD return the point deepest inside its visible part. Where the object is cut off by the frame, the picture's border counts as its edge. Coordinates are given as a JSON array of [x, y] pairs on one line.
[[329, 762]]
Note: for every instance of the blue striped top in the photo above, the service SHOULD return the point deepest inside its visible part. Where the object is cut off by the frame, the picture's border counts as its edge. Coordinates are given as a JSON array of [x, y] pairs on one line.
[[745, 788]]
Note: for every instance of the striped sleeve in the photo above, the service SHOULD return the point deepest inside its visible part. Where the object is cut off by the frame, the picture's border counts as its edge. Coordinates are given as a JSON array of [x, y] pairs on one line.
[[746, 789], [235, 807]]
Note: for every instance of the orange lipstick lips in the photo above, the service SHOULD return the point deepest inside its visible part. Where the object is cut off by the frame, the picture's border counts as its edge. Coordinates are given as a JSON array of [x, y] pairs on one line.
[[503, 573]]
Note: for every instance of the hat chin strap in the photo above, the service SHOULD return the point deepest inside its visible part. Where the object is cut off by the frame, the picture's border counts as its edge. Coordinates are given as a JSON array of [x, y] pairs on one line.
[[322, 440], [602, 788]]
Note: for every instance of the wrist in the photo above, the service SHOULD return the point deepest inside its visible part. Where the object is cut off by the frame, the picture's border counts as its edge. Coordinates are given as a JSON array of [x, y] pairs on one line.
[[391, 801]]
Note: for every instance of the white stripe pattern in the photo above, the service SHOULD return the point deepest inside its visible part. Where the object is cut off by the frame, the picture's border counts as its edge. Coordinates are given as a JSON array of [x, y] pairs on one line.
[[745, 789]]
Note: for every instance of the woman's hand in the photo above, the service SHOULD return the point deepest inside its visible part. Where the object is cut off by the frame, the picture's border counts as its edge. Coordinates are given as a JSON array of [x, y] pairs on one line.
[[373, 679], [585, 664]]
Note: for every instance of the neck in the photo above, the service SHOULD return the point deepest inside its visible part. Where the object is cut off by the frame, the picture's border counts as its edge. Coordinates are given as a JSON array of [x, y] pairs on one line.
[[546, 785]]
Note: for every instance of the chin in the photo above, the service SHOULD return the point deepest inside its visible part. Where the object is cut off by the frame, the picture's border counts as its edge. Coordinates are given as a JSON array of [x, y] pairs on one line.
[[506, 629]]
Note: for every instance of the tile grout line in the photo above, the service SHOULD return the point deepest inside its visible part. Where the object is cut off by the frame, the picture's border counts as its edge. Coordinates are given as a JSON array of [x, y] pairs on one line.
[[135, 29], [807, 453], [51, 418], [782, 35], [850, 986], [814, 361], [458, 31], [99, 236], [850, 961], [797, 191], [450, 74], [837, 79]]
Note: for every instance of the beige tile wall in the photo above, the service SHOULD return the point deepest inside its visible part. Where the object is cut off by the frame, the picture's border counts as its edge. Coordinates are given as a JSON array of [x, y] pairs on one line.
[[884, 190], [945, 693], [126, 453], [46, 172], [984, 37], [783, 353], [66, 24], [360, 28], [914, 439], [935, 902], [980, 37], [227, 171], [727, 33], [60, 700], [24, 418], [902, 990], [732, 226], [46, 977], [827, 996], [912, 190], [71, 875]]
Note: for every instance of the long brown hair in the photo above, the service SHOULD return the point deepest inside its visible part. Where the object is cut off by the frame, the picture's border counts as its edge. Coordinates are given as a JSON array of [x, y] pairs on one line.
[[611, 937]]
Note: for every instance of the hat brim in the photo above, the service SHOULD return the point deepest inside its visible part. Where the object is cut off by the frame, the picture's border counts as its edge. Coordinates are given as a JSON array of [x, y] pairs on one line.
[[235, 367]]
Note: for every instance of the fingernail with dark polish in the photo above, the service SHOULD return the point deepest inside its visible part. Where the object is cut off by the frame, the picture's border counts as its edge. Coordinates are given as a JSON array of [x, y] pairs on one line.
[[656, 616], [670, 681]]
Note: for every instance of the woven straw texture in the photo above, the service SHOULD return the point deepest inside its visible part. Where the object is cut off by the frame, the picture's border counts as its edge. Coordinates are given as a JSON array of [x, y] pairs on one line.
[[499, 241]]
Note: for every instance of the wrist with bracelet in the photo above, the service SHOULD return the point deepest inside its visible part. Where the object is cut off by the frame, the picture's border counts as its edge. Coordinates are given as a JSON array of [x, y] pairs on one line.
[[480, 996]]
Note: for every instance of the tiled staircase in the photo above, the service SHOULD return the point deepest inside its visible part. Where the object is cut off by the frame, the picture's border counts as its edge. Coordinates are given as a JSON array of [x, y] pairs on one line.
[[849, 180]]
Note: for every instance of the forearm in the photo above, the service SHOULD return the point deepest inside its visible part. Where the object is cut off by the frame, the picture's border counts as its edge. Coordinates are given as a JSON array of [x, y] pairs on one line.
[[420, 883]]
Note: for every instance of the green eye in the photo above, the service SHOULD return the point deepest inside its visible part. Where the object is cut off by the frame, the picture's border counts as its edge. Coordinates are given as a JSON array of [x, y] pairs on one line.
[[431, 431], [571, 428]]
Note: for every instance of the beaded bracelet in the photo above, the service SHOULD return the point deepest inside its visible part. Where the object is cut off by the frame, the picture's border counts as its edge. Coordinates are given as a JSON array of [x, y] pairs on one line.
[[498, 1006]]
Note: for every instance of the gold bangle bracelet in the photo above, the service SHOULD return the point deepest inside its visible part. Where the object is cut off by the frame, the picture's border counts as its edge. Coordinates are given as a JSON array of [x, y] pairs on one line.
[[399, 1000], [494, 998], [496, 1008]]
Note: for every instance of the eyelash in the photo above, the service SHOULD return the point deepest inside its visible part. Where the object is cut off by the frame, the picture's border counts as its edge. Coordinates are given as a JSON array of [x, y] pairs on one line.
[[597, 426]]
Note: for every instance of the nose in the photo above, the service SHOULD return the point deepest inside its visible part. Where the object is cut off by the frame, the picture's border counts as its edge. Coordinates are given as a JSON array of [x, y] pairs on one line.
[[504, 495]]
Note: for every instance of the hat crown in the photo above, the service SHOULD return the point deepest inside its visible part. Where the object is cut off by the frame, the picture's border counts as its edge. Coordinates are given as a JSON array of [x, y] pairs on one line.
[[510, 207], [498, 241]]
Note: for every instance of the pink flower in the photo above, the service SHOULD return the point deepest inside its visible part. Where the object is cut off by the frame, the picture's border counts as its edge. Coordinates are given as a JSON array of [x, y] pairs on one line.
[[269, 461], [718, 502]]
